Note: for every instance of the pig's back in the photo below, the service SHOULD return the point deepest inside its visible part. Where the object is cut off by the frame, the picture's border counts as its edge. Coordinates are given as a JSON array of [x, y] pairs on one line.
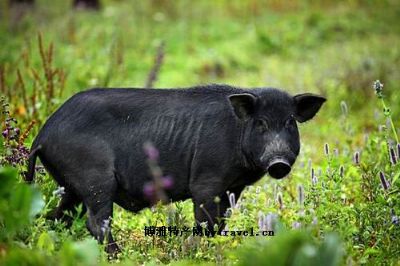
[[172, 115]]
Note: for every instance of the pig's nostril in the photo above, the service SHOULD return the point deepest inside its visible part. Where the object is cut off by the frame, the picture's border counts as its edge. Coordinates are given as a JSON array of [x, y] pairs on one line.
[[278, 168]]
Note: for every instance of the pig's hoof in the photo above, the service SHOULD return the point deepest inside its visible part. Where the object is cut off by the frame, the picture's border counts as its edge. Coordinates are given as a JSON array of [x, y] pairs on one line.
[[112, 250]]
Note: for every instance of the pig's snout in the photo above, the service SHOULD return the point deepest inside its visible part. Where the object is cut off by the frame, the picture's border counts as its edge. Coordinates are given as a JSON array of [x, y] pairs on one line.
[[278, 168]]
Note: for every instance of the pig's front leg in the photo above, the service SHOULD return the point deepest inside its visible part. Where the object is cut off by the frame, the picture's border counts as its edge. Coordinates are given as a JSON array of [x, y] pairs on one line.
[[210, 206]]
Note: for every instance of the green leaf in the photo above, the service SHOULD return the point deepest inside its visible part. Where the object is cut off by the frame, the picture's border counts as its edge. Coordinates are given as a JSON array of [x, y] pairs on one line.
[[8, 177], [37, 202], [85, 252], [396, 176], [45, 242], [330, 252], [20, 202]]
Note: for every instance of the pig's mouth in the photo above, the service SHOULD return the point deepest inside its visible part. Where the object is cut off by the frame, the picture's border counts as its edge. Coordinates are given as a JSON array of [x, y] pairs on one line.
[[278, 168]]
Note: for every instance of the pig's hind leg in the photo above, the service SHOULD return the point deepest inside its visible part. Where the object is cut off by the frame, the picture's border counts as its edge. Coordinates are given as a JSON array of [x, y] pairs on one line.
[[88, 170], [99, 203]]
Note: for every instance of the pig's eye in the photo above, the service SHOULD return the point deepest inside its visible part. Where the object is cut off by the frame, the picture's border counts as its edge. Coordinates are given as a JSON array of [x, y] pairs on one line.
[[290, 122], [261, 125]]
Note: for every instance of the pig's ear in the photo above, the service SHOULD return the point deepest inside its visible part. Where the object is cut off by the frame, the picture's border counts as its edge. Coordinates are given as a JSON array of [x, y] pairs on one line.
[[307, 105], [243, 104]]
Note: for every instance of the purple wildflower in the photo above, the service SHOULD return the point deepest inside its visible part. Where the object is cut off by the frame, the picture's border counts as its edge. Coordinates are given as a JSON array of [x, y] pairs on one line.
[[15, 151], [378, 86], [270, 221], [314, 221], [59, 191], [344, 108], [155, 189], [326, 149], [149, 190], [341, 171], [356, 158], [167, 182], [384, 182], [300, 190], [398, 150], [105, 227], [314, 179], [336, 152], [232, 200], [261, 221], [393, 157], [395, 219], [151, 152], [296, 225]]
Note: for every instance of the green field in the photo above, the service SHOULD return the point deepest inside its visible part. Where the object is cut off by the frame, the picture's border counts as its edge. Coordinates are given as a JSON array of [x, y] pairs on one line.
[[347, 214]]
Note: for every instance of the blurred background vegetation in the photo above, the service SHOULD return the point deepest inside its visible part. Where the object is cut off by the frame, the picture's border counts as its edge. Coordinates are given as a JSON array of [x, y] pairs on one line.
[[53, 49]]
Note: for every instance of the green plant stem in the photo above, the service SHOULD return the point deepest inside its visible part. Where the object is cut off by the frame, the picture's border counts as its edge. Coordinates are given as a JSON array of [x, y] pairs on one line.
[[391, 121]]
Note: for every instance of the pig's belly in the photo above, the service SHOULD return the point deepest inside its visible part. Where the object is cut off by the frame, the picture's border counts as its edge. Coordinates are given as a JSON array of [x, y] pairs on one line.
[[130, 202], [136, 203]]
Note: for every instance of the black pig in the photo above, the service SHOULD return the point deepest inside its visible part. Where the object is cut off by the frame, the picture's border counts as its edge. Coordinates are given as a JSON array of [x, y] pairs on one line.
[[210, 139]]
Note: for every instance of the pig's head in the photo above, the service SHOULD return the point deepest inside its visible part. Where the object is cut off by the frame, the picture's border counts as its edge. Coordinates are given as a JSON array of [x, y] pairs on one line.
[[270, 137]]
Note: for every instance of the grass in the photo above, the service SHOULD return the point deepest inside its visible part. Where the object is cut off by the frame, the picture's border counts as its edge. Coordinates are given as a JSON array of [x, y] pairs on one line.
[[337, 49]]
